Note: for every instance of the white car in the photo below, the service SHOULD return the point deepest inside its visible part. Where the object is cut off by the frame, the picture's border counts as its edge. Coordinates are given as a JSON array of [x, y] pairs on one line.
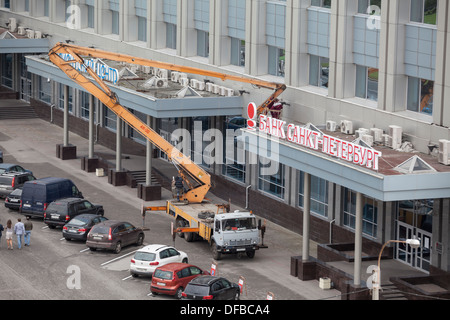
[[147, 259]]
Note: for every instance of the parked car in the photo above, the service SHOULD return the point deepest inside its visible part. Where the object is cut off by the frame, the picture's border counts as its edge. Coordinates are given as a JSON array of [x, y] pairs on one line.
[[79, 227], [38, 194], [10, 167], [13, 180], [172, 278], [147, 259], [1, 156], [211, 288], [114, 235], [60, 211], [12, 201]]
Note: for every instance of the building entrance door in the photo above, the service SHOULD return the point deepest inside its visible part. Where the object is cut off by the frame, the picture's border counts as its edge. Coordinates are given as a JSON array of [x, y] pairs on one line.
[[414, 221]]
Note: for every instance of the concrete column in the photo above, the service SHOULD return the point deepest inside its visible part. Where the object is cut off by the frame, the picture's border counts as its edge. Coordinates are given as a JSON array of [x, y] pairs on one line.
[[297, 57], [220, 48], [342, 69], [306, 215], [256, 50], [149, 152], [186, 33], [441, 114], [358, 239], [66, 116], [91, 126], [157, 25], [118, 144]]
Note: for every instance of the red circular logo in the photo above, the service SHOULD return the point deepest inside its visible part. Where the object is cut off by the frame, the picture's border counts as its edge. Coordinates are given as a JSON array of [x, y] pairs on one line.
[[251, 110]]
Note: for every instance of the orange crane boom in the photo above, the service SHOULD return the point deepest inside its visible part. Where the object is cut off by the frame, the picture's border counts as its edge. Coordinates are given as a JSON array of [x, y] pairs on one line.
[[186, 167]]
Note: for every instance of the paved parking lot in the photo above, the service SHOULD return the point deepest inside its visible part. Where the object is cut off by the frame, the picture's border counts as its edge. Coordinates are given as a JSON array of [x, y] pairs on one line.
[[47, 269]]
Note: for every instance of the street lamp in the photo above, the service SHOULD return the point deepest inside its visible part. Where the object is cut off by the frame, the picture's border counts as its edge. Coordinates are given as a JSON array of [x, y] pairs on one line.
[[414, 243]]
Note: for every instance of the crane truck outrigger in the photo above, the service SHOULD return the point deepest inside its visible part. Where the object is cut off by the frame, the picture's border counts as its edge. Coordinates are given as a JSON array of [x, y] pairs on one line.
[[227, 232]]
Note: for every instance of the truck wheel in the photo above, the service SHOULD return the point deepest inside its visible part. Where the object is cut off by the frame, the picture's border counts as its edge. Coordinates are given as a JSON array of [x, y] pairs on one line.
[[251, 254], [180, 224], [189, 236], [216, 254]]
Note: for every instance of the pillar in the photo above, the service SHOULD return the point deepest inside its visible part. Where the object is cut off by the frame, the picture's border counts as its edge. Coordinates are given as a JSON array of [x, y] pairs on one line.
[[358, 239], [306, 215]]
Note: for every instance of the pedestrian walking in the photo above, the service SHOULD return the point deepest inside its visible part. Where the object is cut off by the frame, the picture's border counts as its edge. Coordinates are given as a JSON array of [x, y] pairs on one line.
[[28, 227], [19, 230], [9, 233]]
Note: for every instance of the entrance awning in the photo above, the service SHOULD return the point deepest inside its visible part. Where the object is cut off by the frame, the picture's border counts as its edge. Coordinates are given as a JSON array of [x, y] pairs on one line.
[[386, 184], [15, 43], [168, 106]]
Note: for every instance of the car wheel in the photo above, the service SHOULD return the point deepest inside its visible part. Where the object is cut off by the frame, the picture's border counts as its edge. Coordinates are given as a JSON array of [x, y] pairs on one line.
[[236, 295], [185, 260], [118, 247], [179, 293], [140, 240], [92, 249]]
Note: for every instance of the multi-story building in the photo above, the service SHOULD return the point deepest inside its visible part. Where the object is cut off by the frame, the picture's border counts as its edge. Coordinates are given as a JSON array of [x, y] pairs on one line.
[[348, 64]]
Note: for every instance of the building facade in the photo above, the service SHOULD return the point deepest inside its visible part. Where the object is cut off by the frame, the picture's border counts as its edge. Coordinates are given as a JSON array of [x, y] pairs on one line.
[[364, 63]]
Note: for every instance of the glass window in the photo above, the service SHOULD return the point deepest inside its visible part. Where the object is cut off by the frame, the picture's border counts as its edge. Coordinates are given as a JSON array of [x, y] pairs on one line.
[[237, 52], [45, 90], [61, 97], [424, 11], [110, 119], [370, 213], [321, 3], [273, 184], [319, 194], [372, 7], [202, 43], [7, 4], [276, 61], [46, 8], [233, 151], [420, 95], [318, 71], [7, 73], [171, 35], [142, 29], [366, 83], [91, 16]]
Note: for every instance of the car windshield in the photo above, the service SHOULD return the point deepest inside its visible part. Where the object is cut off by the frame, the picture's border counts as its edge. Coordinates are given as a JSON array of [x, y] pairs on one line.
[[162, 274], [79, 221], [239, 224], [57, 207], [196, 290], [101, 229], [144, 256]]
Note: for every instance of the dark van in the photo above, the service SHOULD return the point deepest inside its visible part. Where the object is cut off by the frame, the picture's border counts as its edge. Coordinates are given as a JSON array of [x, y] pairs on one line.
[[38, 194]]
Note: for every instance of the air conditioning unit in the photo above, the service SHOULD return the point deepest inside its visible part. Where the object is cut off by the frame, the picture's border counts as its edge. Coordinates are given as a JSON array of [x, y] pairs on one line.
[[444, 152], [161, 83], [209, 87], [193, 83], [182, 76], [215, 88], [174, 76], [37, 34], [201, 86], [153, 71], [147, 69], [184, 82], [377, 134], [30, 33], [222, 91], [22, 31], [395, 137], [331, 126], [163, 74], [361, 131], [229, 92], [12, 24], [347, 127], [386, 140], [368, 139]]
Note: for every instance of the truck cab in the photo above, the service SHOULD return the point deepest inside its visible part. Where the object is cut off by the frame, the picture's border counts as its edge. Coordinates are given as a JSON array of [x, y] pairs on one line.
[[235, 232]]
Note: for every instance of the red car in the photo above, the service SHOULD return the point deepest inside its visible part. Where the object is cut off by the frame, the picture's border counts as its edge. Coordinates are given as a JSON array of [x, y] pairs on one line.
[[172, 278]]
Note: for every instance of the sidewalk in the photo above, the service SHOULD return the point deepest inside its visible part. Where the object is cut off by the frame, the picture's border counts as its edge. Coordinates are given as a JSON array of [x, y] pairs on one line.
[[29, 140]]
